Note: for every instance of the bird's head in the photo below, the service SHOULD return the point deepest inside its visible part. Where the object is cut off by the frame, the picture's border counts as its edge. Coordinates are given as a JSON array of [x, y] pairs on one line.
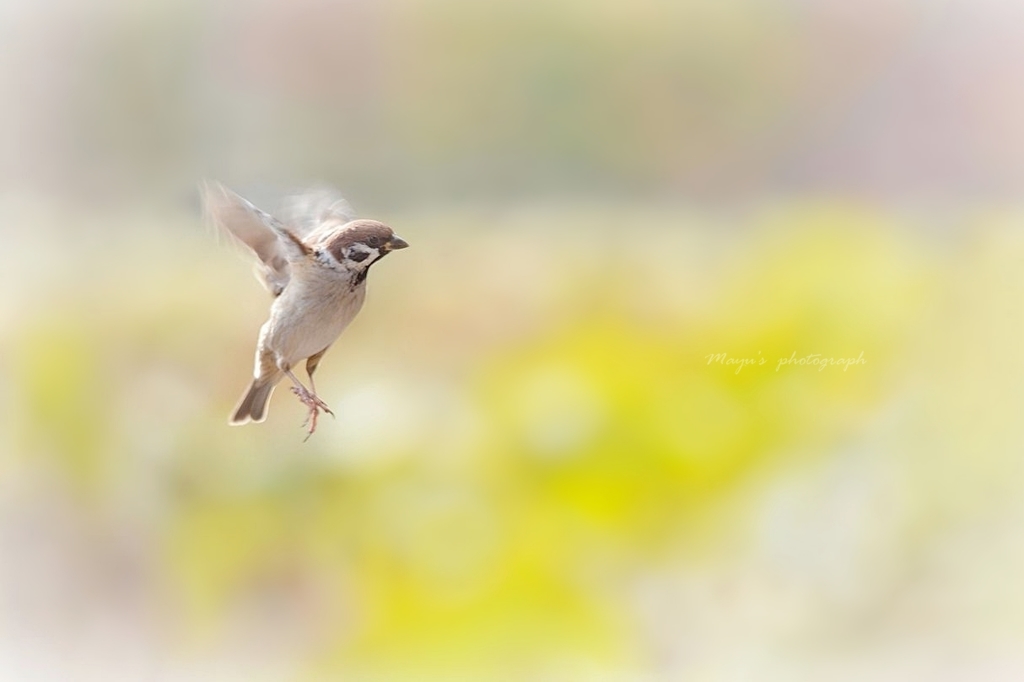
[[360, 243]]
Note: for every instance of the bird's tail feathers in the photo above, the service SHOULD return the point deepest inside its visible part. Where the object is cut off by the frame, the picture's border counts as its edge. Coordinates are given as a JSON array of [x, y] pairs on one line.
[[253, 405]]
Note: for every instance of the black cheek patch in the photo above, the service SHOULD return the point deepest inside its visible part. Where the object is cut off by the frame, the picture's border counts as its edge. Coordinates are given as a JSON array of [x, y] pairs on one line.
[[358, 256]]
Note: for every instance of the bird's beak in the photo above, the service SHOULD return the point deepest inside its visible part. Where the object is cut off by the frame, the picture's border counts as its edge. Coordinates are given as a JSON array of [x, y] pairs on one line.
[[396, 243]]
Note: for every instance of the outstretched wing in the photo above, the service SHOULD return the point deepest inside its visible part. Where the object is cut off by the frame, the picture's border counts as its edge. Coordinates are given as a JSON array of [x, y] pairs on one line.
[[273, 243], [305, 212]]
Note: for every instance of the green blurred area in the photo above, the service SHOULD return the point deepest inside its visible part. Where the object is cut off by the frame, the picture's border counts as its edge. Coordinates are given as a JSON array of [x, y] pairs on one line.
[[511, 464]]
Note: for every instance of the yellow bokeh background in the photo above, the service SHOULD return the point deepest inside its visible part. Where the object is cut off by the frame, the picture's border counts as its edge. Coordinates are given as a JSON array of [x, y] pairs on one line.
[[546, 463]]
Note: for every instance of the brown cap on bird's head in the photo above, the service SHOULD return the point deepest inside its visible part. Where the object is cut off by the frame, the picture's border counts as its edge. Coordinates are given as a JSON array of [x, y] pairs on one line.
[[362, 238]]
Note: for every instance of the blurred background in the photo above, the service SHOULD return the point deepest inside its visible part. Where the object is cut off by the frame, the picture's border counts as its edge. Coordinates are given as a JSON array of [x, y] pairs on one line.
[[546, 463]]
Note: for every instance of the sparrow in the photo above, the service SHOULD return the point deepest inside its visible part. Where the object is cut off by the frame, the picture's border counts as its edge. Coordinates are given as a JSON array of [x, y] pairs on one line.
[[314, 262]]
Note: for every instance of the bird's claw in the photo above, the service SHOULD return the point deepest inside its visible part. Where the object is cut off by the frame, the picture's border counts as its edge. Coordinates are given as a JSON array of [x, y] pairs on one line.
[[315, 405]]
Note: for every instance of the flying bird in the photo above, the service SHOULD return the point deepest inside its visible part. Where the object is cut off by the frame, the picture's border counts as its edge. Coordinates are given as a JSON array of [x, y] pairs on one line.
[[314, 261]]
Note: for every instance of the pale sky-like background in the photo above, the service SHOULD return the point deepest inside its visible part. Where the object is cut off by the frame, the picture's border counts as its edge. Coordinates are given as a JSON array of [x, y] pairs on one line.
[[415, 102]]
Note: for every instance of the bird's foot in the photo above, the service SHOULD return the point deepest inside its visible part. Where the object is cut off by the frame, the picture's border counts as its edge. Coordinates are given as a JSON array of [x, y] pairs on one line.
[[314, 403]]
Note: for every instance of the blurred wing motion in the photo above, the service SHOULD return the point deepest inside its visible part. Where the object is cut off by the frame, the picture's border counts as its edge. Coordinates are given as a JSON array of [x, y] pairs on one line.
[[305, 212], [273, 243]]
